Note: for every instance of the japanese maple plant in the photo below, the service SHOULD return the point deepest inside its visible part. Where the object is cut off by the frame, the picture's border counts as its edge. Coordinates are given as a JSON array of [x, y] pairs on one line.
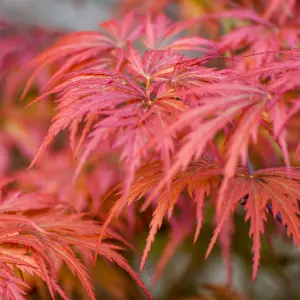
[[192, 123]]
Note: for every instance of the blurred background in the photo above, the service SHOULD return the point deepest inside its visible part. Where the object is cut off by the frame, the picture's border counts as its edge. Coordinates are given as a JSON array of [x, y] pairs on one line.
[[57, 14], [187, 275]]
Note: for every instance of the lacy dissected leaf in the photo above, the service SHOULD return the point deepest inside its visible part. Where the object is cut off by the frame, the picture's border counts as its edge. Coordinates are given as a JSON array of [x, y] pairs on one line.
[[115, 109], [222, 106], [282, 81], [166, 70], [276, 186], [191, 74], [79, 49], [107, 49], [259, 41], [154, 65], [266, 48], [197, 178], [15, 202], [37, 241], [11, 286], [161, 33], [161, 110]]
